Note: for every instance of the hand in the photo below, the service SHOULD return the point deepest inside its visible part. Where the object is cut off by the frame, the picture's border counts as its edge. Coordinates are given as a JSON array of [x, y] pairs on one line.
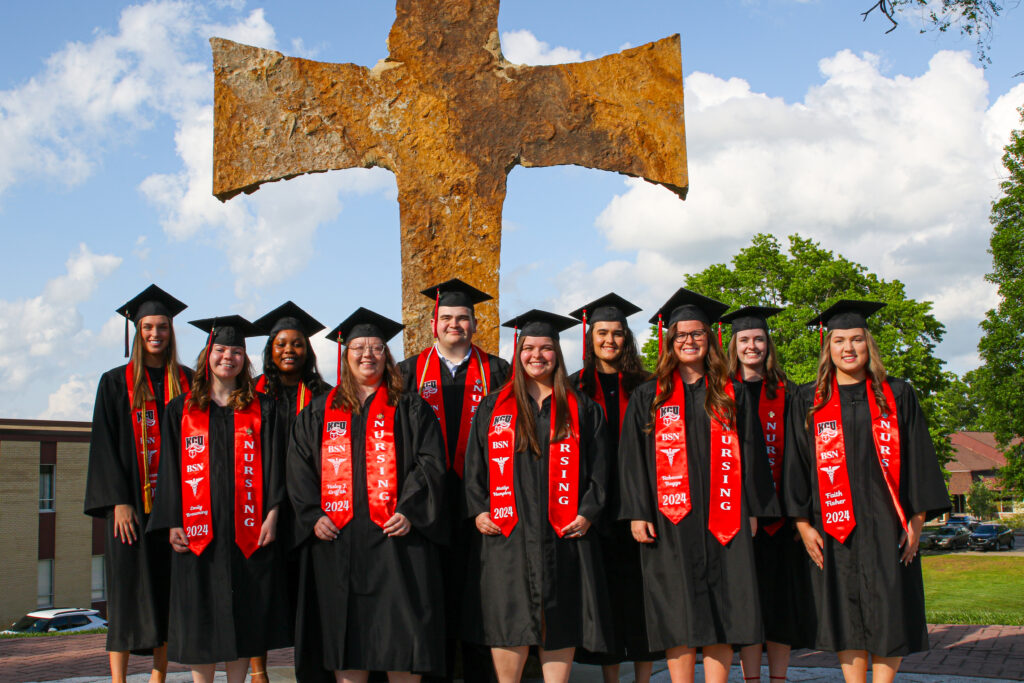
[[179, 541], [753, 526], [324, 529], [643, 531], [398, 525], [577, 528], [485, 526], [910, 540], [125, 520], [812, 541], [268, 532]]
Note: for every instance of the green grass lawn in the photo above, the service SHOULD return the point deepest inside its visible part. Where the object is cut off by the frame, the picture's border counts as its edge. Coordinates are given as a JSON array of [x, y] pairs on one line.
[[965, 589]]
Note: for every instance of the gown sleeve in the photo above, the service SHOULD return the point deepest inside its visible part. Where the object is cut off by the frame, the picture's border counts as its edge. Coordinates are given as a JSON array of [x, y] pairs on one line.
[[302, 468], [421, 499], [272, 449], [634, 488], [108, 483], [475, 471], [594, 447], [758, 487], [797, 459], [922, 487], [167, 502]]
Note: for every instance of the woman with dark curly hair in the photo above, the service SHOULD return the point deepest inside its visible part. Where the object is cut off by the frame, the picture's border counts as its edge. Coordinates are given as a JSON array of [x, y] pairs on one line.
[[219, 496]]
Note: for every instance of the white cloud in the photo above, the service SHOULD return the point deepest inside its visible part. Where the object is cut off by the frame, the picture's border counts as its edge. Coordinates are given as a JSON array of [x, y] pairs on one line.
[[522, 47], [73, 400], [894, 172]]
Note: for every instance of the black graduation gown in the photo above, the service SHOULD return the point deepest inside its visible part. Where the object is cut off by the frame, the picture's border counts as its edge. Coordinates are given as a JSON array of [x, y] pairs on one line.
[[621, 554], [138, 575], [512, 583], [783, 581], [696, 591], [381, 598], [865, 599], [223, 606]]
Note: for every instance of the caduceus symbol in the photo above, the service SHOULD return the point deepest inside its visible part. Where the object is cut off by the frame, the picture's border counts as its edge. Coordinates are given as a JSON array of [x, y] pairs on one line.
[[336, 463], [194, 483], [501, 463], [830, 470], [670, 453]]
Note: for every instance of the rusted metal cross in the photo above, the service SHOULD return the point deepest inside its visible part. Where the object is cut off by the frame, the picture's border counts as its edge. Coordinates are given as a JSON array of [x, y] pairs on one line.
[[450, 117]]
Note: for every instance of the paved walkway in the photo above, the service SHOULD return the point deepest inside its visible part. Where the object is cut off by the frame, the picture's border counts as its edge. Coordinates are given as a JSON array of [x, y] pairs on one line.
[[959, 654]]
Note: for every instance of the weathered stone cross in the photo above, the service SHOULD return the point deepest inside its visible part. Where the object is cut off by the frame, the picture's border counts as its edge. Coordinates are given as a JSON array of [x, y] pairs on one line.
[[450, 117]]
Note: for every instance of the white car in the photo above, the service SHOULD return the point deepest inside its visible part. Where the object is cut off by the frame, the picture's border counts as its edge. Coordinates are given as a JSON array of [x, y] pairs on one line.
[[66, 620]]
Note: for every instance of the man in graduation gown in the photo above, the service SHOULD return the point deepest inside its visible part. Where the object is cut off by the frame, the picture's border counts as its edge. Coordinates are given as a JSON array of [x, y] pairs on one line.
[[453, 376], [137, 566]]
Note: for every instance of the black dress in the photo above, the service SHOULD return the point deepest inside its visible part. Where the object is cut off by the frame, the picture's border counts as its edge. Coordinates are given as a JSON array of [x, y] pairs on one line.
[[865, 598], [381, 598], [513, 583], [223, 606], [138, 575], [783, 581], [620, 552], [696, 591]]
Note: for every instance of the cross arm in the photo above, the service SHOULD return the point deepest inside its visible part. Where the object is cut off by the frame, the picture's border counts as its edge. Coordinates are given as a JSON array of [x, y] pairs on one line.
[[621, 113], [278, 117]]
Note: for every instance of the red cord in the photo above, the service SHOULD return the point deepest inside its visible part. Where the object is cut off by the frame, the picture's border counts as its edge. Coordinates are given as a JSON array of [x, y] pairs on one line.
[[659, 335], [584, 354]]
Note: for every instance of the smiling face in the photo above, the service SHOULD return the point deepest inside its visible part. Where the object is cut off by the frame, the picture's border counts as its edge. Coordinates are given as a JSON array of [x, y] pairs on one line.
[[752, 349], [690, 343], [226, 361], [539, 358], [849, 352], [155, 333], [455, 325], [366, 361], [609, 341], [288, 352]]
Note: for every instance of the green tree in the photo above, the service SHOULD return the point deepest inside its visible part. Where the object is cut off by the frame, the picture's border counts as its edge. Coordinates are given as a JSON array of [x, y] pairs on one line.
[[981, 500], [808, 279], [1000, 381]]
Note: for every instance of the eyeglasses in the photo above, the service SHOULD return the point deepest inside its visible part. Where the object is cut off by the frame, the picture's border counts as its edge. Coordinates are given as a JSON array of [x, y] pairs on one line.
[[696, 335], [372, 349]]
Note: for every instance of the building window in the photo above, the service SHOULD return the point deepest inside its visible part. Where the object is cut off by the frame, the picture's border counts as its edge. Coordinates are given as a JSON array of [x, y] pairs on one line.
[[46, 488], [99, 579], [44, 594]]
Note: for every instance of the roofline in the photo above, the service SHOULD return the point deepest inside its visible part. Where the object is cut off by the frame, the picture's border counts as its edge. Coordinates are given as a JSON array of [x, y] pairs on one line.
[[44, 430]]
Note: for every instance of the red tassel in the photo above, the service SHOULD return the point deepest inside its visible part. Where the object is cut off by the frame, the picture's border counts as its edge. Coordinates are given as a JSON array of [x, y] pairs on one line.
[[437, 304], [719, 335], [515, 350], [821, 334], [584, 354], [337, 381], [659, 335]]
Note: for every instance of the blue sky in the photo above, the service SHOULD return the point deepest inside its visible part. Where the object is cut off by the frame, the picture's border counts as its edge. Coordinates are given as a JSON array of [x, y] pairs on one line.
[[800, 118]]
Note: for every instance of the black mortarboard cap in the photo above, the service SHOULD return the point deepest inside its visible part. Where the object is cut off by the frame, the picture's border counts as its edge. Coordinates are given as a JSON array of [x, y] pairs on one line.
[[228, 330], [846, 314], [609, 308], [538, 323], [288, 316], [364, 323], [750, 318], [150, 301], [686, 305], [455, 292]]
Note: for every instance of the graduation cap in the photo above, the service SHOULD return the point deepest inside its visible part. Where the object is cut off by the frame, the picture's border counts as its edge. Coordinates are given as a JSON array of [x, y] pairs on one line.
[[687, 305], [846, 314], [537, 323], [455, 292], [750, 318], [610, 308], [150, 301], [362, 323], [288, 316], [226, 330]]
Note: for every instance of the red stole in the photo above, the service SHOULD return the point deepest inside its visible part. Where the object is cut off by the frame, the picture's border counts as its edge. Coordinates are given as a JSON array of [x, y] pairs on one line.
[[830, 454], [563, 465], [599, 397], [302, 398], [672, 472], [336, 494], [197, 515], [771, 412], [478, 379], [146, 430]]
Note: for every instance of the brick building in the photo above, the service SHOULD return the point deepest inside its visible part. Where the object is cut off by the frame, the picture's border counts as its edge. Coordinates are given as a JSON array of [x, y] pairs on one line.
[[51, 553], [976, 457]]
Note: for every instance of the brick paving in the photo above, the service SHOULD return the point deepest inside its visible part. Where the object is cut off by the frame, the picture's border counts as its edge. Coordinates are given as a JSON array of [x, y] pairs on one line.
[[982, 651]]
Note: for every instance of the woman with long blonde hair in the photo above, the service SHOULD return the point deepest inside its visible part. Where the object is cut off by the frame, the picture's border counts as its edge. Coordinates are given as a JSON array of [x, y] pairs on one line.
[[124, 453], [861, 477], [220, 490], [366, 466], [536, 480], [694, 480]]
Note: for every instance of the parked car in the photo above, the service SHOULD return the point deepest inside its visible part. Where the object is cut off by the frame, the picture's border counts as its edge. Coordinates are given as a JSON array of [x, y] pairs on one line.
[[950, 538], [67, 620], [966, 521], [991, 537]]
